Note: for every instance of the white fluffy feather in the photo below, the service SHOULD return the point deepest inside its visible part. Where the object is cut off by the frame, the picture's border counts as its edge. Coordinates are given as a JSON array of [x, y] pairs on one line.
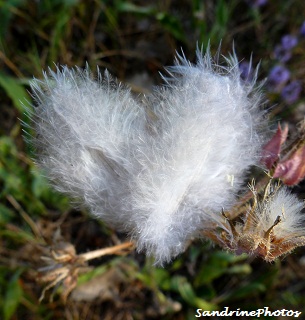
[[160, 171], [85, 138]]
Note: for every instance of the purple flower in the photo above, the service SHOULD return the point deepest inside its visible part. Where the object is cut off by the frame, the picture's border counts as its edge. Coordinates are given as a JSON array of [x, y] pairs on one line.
[[289, 42], [302, 29], [257, 3], [292, 92], [278, 76], [246, 71], [281, 53]]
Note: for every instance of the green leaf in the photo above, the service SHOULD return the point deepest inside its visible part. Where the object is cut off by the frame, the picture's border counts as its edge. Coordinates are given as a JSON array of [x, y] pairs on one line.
[[208, 273], [14, 90], [42, 190], [222, 13], [70, 3], [181, 285], [125, 6], [6, 13], [171, 24], [92, 274], [59, 30], [21, 236], [247, 290], [13, 296], [218, 264], [162, 278], [227, 257], [5, 214], [240, 269]]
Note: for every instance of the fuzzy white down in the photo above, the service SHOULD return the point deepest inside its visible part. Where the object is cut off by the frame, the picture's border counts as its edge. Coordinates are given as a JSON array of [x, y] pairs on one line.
[[159, 170], [286, 206]]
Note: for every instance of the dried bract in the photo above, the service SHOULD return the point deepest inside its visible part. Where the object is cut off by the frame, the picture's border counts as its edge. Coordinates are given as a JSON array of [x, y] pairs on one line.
[[272, 148]]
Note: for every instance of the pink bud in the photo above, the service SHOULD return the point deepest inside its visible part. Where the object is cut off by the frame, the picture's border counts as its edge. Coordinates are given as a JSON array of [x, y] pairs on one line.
[[292, 170], [272, 148]]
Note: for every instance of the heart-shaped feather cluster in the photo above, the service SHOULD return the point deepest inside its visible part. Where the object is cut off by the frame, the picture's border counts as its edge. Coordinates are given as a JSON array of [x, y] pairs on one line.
[[162, 167]]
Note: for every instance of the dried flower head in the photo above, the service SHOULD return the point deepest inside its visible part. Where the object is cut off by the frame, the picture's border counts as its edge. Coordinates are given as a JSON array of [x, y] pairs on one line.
[[272, 226], [160, 170]]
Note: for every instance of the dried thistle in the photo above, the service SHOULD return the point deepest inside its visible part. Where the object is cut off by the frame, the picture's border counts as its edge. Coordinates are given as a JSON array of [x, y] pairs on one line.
[[271, 226], [65, 265]]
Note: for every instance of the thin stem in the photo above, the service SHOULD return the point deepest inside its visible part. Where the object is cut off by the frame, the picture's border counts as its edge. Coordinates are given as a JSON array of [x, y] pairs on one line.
[[119, 249]]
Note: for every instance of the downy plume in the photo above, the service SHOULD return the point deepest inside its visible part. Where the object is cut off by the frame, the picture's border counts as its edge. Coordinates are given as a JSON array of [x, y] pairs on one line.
[[161, 169], [271, 227]]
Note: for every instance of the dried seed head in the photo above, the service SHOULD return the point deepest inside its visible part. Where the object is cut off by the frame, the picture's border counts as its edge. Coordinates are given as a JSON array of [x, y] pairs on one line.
[[272, 225]]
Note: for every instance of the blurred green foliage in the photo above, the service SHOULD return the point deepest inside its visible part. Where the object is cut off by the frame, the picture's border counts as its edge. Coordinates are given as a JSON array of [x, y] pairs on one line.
[[127, 37]]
